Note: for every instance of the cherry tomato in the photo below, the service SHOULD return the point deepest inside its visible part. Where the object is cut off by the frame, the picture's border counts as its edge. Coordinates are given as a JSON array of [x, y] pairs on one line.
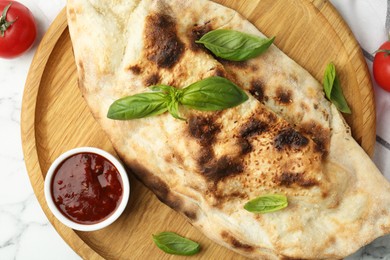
[[382, 66], [17, 29]]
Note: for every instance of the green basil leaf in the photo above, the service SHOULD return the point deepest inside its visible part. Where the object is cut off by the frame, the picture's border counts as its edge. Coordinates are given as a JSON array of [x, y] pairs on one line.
[[329, 77], [164, 88], [333, 91], [173, 97], [211, 94], [172, 243], [173, 109], [234, 45], [338, 98], [138, 106], [267, 203]]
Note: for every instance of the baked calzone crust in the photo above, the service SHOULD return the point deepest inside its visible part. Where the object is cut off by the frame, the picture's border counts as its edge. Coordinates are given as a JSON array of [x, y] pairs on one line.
[[285, 139]]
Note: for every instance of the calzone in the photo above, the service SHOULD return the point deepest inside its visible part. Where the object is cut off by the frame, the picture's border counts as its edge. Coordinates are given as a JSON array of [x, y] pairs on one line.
[[285, 139]]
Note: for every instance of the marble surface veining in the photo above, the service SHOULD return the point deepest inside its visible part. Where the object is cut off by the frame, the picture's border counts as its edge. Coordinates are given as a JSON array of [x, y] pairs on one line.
[[25, 232]]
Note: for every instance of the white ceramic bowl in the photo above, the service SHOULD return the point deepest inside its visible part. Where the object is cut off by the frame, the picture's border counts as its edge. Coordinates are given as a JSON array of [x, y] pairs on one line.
[[86, 227]]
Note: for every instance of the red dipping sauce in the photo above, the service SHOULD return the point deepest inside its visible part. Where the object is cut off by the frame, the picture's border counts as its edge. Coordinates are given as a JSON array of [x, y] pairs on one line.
[[86, 188]]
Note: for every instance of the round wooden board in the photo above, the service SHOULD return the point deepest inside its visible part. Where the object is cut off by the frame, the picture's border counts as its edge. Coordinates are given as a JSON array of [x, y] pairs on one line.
[[55, 118]]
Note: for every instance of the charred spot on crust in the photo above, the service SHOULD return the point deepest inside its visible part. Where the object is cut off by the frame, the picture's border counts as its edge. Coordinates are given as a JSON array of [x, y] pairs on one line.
[[304, 107], [206, 155], [81, 71], [319, 135], [221, 198], [283, 96], [179, 159], [282, 257], [196, 33], [290, 138], [234, 242], [289, 178], [321, 145], [191, 214], [171, 201], [220, 73], [174, 157], [245, 146], [152, 80], [161, 41], [230, 63], [161, 190], [254, 68], [272, 118], [203, 129], [158, 186], [221, 168], [257, 90], [135, 69], [253, 127]]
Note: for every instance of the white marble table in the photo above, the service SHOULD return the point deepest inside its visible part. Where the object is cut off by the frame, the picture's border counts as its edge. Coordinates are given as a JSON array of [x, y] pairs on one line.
[[25, 232]]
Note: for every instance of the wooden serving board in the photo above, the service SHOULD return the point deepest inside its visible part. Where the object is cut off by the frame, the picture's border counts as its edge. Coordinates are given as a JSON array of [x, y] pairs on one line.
[[55, 118]]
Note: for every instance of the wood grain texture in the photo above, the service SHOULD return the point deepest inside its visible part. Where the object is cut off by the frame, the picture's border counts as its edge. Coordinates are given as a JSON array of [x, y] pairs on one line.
[[55, 118]]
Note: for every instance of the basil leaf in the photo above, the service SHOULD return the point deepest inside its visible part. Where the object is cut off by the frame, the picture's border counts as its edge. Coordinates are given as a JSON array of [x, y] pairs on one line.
[[338, 98], [211, 94], [329, 77], [172, 243], [333, 91], [164, 88], [173, 97], [214, 93], [173, 109], [267, 203], [234, 45], [138, 106]]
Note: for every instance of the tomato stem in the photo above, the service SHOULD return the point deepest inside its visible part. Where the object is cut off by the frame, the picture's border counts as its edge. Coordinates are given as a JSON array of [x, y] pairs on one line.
[[4, 24], [382, 50]]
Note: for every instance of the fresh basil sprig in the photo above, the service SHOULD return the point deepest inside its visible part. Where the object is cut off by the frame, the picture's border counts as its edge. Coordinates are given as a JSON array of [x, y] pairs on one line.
[[172, 96], [333, 89], [172, 243], [210, 94], [266, 203], [234, 45]]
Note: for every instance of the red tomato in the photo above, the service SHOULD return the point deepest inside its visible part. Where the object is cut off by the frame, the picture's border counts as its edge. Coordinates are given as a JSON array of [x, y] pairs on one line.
[[17, 29], [382, 66]]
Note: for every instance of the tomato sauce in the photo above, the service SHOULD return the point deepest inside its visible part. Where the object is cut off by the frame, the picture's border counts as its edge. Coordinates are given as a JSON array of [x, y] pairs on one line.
[[86, 188]]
